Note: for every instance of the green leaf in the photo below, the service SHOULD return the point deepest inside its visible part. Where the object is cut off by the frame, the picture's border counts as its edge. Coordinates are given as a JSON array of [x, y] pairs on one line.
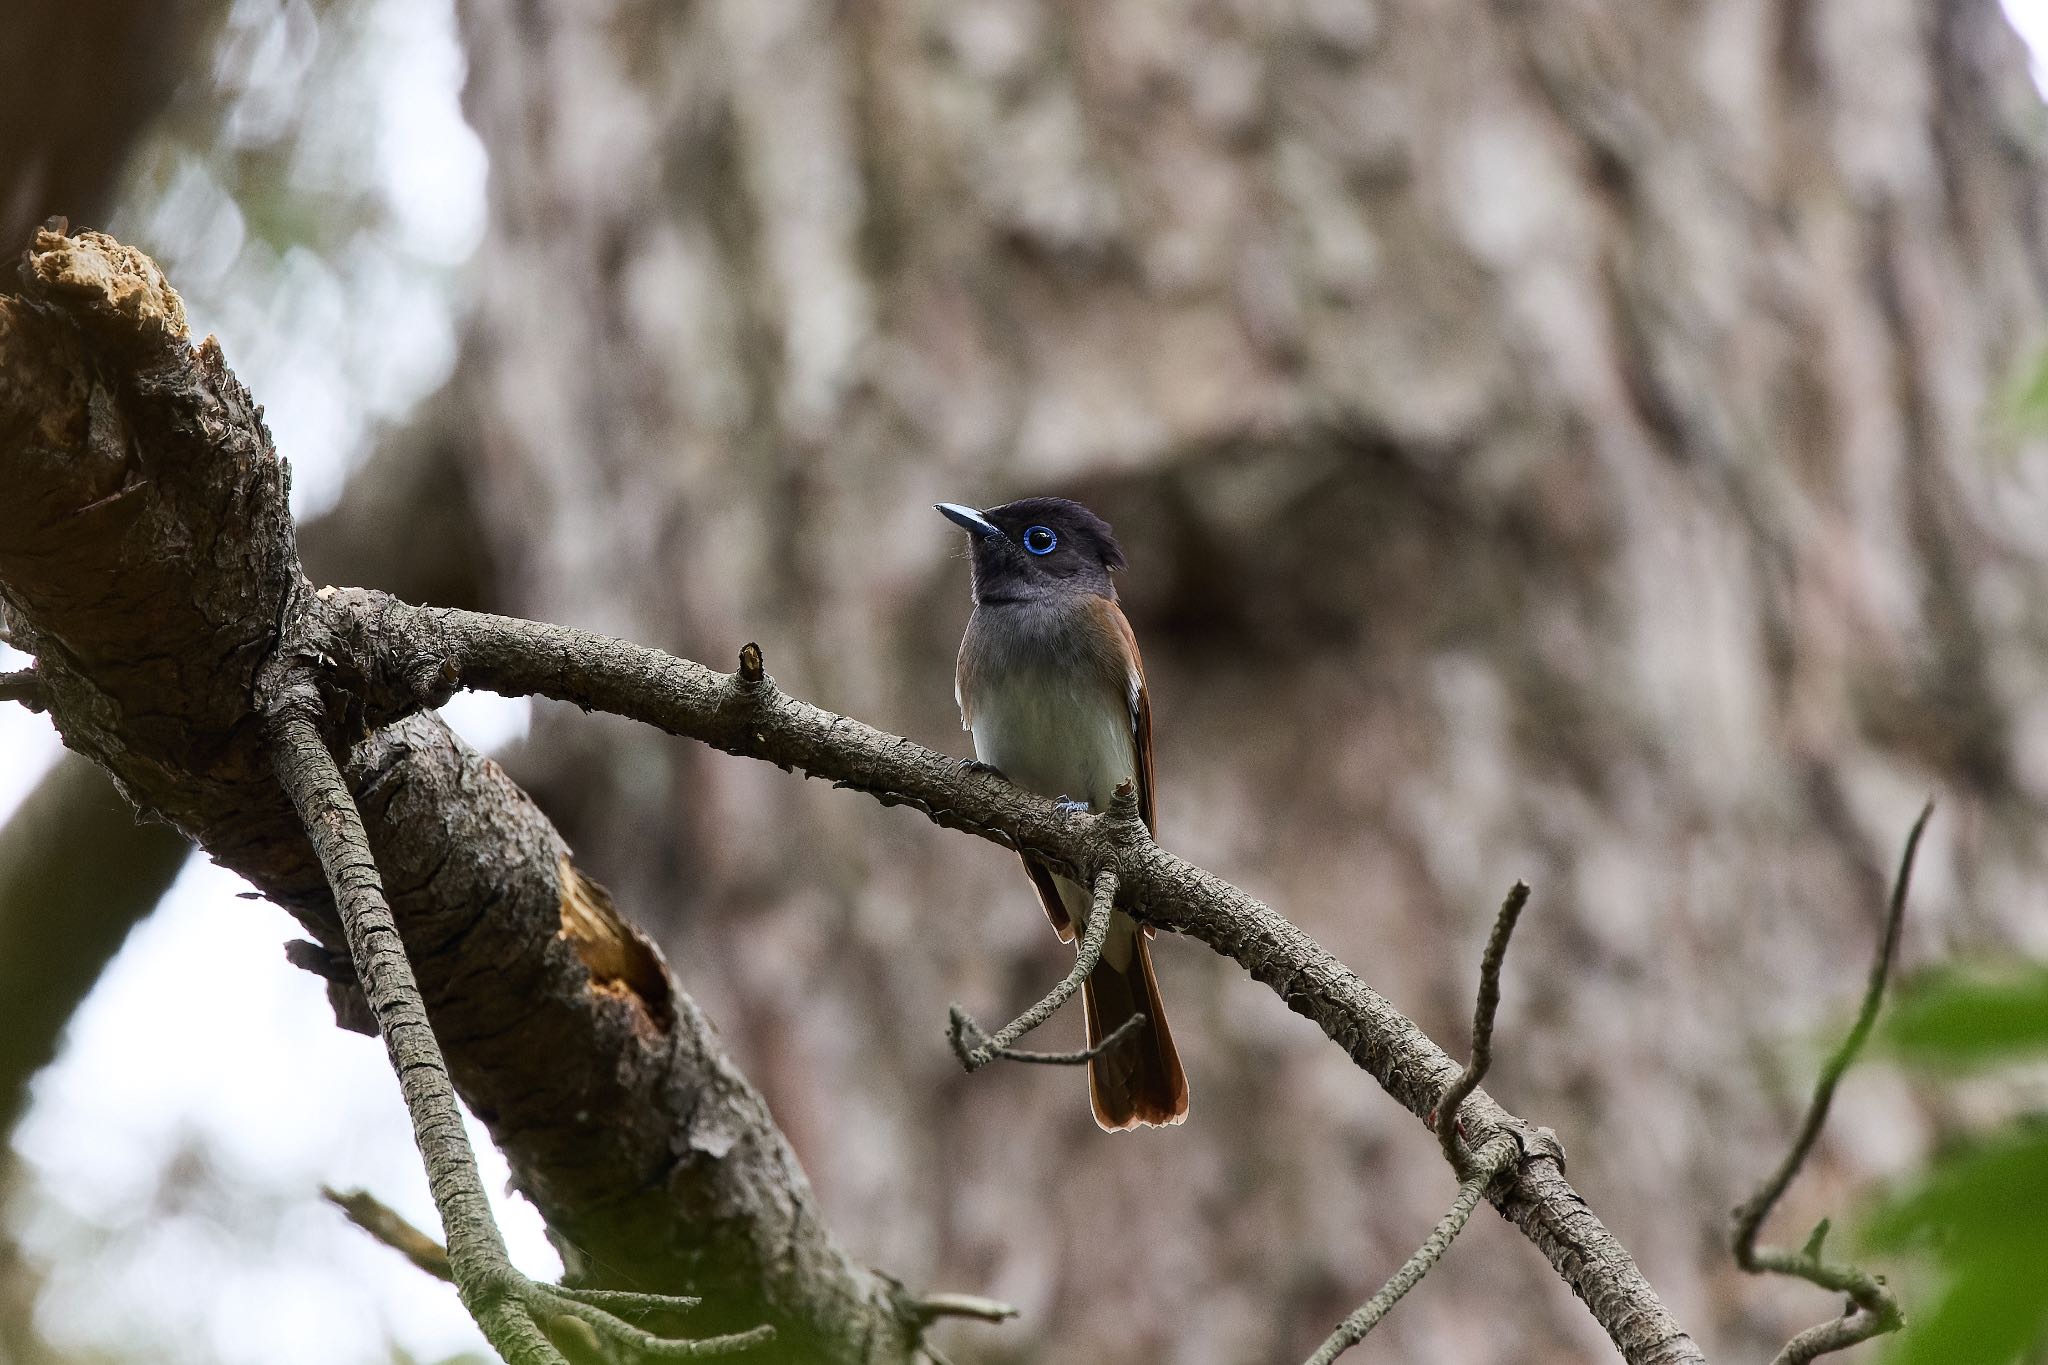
[[1957, 1020], [1991, 1315], [1982, 1202], [1978, 1214], [2029, 402]]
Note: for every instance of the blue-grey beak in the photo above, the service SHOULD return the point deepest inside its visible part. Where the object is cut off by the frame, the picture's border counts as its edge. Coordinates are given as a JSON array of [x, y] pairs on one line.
[[969, 520]]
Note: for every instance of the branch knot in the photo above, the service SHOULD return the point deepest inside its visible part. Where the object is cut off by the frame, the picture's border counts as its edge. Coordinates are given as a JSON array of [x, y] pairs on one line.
[[1122, 822], [753, 669]]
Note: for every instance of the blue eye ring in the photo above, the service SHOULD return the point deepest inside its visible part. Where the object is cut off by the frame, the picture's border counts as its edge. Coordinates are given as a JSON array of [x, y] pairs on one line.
[[1040, 540]]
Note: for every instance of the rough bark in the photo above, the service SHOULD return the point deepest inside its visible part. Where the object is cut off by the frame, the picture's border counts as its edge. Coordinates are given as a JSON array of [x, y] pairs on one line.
[[147, 561], [1551, 441]]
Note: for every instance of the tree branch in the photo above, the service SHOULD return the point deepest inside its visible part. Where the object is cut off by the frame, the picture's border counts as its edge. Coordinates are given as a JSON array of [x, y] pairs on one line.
[[22, 685], [477, 1257], [1448, 1127], [383, 1222], [147, 561], [1484, 1167], [1873, 1310], [986, 1047], [157, 450], [937, 1306], [1476, 1170], [509, 1307], [434, 651]]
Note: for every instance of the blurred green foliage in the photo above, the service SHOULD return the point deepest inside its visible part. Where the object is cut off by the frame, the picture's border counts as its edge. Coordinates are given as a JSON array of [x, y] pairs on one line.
[[2028, 405], [1980, 1212]]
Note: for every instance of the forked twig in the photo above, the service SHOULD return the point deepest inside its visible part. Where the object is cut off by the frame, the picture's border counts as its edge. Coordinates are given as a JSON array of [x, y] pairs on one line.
[[1476, 1170], [976, 1048], [385, 1224], [1873, 1309], [1487, 1163]]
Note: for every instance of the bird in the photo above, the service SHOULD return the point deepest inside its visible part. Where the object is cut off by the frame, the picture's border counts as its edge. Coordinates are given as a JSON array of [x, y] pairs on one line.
[[1051, 686]]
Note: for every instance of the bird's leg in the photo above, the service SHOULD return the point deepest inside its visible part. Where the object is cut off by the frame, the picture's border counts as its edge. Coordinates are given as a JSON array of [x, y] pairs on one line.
[[1067, 805], [975, 765], [986, 1048]]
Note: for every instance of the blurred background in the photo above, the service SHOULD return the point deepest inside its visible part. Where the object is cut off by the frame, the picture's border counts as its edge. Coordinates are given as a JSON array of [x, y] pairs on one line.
[[1593, 441]]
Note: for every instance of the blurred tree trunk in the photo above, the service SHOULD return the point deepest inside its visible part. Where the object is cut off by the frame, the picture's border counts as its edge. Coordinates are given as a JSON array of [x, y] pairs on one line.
[[79, 81], [75, 854], [77, 868], [1552, 438]]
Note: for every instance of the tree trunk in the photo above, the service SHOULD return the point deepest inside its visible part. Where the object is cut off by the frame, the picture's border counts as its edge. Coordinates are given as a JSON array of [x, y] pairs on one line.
[[1551, 438]]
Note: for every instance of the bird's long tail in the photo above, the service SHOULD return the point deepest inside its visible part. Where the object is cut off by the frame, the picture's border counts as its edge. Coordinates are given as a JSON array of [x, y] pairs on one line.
[[1139, 1081]]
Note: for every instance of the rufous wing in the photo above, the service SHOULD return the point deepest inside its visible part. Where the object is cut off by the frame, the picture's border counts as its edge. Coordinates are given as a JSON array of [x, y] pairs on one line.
[[1141, 729]]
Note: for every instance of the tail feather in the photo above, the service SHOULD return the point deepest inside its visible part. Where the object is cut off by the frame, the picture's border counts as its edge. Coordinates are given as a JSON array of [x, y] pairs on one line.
[[1139, 1081]]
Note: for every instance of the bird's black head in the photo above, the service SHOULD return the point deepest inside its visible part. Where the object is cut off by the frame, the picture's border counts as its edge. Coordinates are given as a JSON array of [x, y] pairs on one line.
[[1036, 547]]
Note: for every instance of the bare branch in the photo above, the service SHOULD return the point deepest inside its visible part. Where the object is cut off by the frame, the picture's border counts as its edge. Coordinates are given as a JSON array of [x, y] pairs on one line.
[[165, 493], [506, 1304], [935, 1306], [758, 720], [24, 686], [1476, 1170], [98, 309], [1447, 1125], [1496, 1156], [987, 1048], [1873, 1309], [972, 1046], [382, 1222], [477, 1258]]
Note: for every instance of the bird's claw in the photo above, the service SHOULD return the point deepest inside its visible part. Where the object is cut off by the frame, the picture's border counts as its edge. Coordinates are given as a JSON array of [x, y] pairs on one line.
[[975, 765], [1067, 805]]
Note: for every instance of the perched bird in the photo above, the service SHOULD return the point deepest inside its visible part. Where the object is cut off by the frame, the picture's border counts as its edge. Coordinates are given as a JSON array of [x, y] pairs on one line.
[[1051, 686]]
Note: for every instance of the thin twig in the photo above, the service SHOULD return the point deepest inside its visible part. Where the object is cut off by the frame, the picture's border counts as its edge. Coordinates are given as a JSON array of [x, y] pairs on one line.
[[974, 1056], [477, 1258], [1874, 1310], [597, 1308], [507, 1306], [1476, 1170], [25, 686], [621, 1338], [978, 1054], [1455, 1095], [932, 1307], [382, 1222], [1491, 1159]]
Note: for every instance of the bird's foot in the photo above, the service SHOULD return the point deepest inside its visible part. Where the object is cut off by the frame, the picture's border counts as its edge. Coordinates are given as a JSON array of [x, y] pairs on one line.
[[1067, 805], [975, 765]]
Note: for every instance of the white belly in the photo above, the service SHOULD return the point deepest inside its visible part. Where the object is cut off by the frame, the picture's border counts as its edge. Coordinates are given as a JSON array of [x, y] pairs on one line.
[[1049, 737], [1053, 738]]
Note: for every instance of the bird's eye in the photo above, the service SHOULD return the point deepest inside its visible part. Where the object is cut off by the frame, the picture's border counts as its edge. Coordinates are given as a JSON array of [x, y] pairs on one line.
[[1040, 540]]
